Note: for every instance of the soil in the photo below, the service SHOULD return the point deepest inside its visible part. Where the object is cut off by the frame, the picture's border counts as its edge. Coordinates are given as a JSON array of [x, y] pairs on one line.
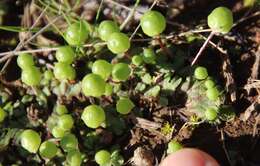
[[235, 142]]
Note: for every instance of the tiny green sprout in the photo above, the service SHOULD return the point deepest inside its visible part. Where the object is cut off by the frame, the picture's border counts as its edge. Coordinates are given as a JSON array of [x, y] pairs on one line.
[[118, 43], [173, 146], [137, 60], [65, 54], [93, 85], [167, 129], [74, 158], [195, 119], [25, 61], [61, 109], [30, 140], [211, 114], [121, 72], [149, 56], [65, 122], [201, 73], [93, 116], [48, 75], [209, 83], [2, 115], [212, 94], [102, 157], [106, 28], [226, 112], [124, 106], [116, 157], [108, 90], [31, 76], [220, 20], [48, 149], [69, 142], [63, 71], [102, 68], [153, 23], [147, 79], [58, 132], [77, 33], [91, 140], [153, 91]]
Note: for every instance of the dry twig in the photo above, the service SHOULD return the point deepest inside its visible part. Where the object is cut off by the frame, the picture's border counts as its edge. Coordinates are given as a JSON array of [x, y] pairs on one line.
[[255, 69], [202, 48], [224, 146], [21, 44]]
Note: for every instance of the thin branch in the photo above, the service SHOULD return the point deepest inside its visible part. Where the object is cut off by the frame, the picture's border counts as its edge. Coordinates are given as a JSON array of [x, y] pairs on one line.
[[202, 48], [135, 31], [120, 5], [174, 35], [99, 10], [246, 18], [130, 15], [195, 31], [21, 44], [14, 53], [224, 146], [256, 129], [10, 54], [102, 44], [42, 30]]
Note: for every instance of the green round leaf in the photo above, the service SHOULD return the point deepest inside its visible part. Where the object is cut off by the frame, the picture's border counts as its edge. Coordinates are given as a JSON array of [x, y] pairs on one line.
[[220, 20]]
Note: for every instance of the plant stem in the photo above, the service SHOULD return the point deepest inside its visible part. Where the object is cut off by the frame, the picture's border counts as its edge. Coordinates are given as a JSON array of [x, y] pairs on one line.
[[130, 15], [99, 11], [14, 53], [22, 42], [163, 47], [202, 48]]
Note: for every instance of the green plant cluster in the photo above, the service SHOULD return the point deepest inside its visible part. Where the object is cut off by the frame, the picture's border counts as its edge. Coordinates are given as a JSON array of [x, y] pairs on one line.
[[105, 78], [211, 98]]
